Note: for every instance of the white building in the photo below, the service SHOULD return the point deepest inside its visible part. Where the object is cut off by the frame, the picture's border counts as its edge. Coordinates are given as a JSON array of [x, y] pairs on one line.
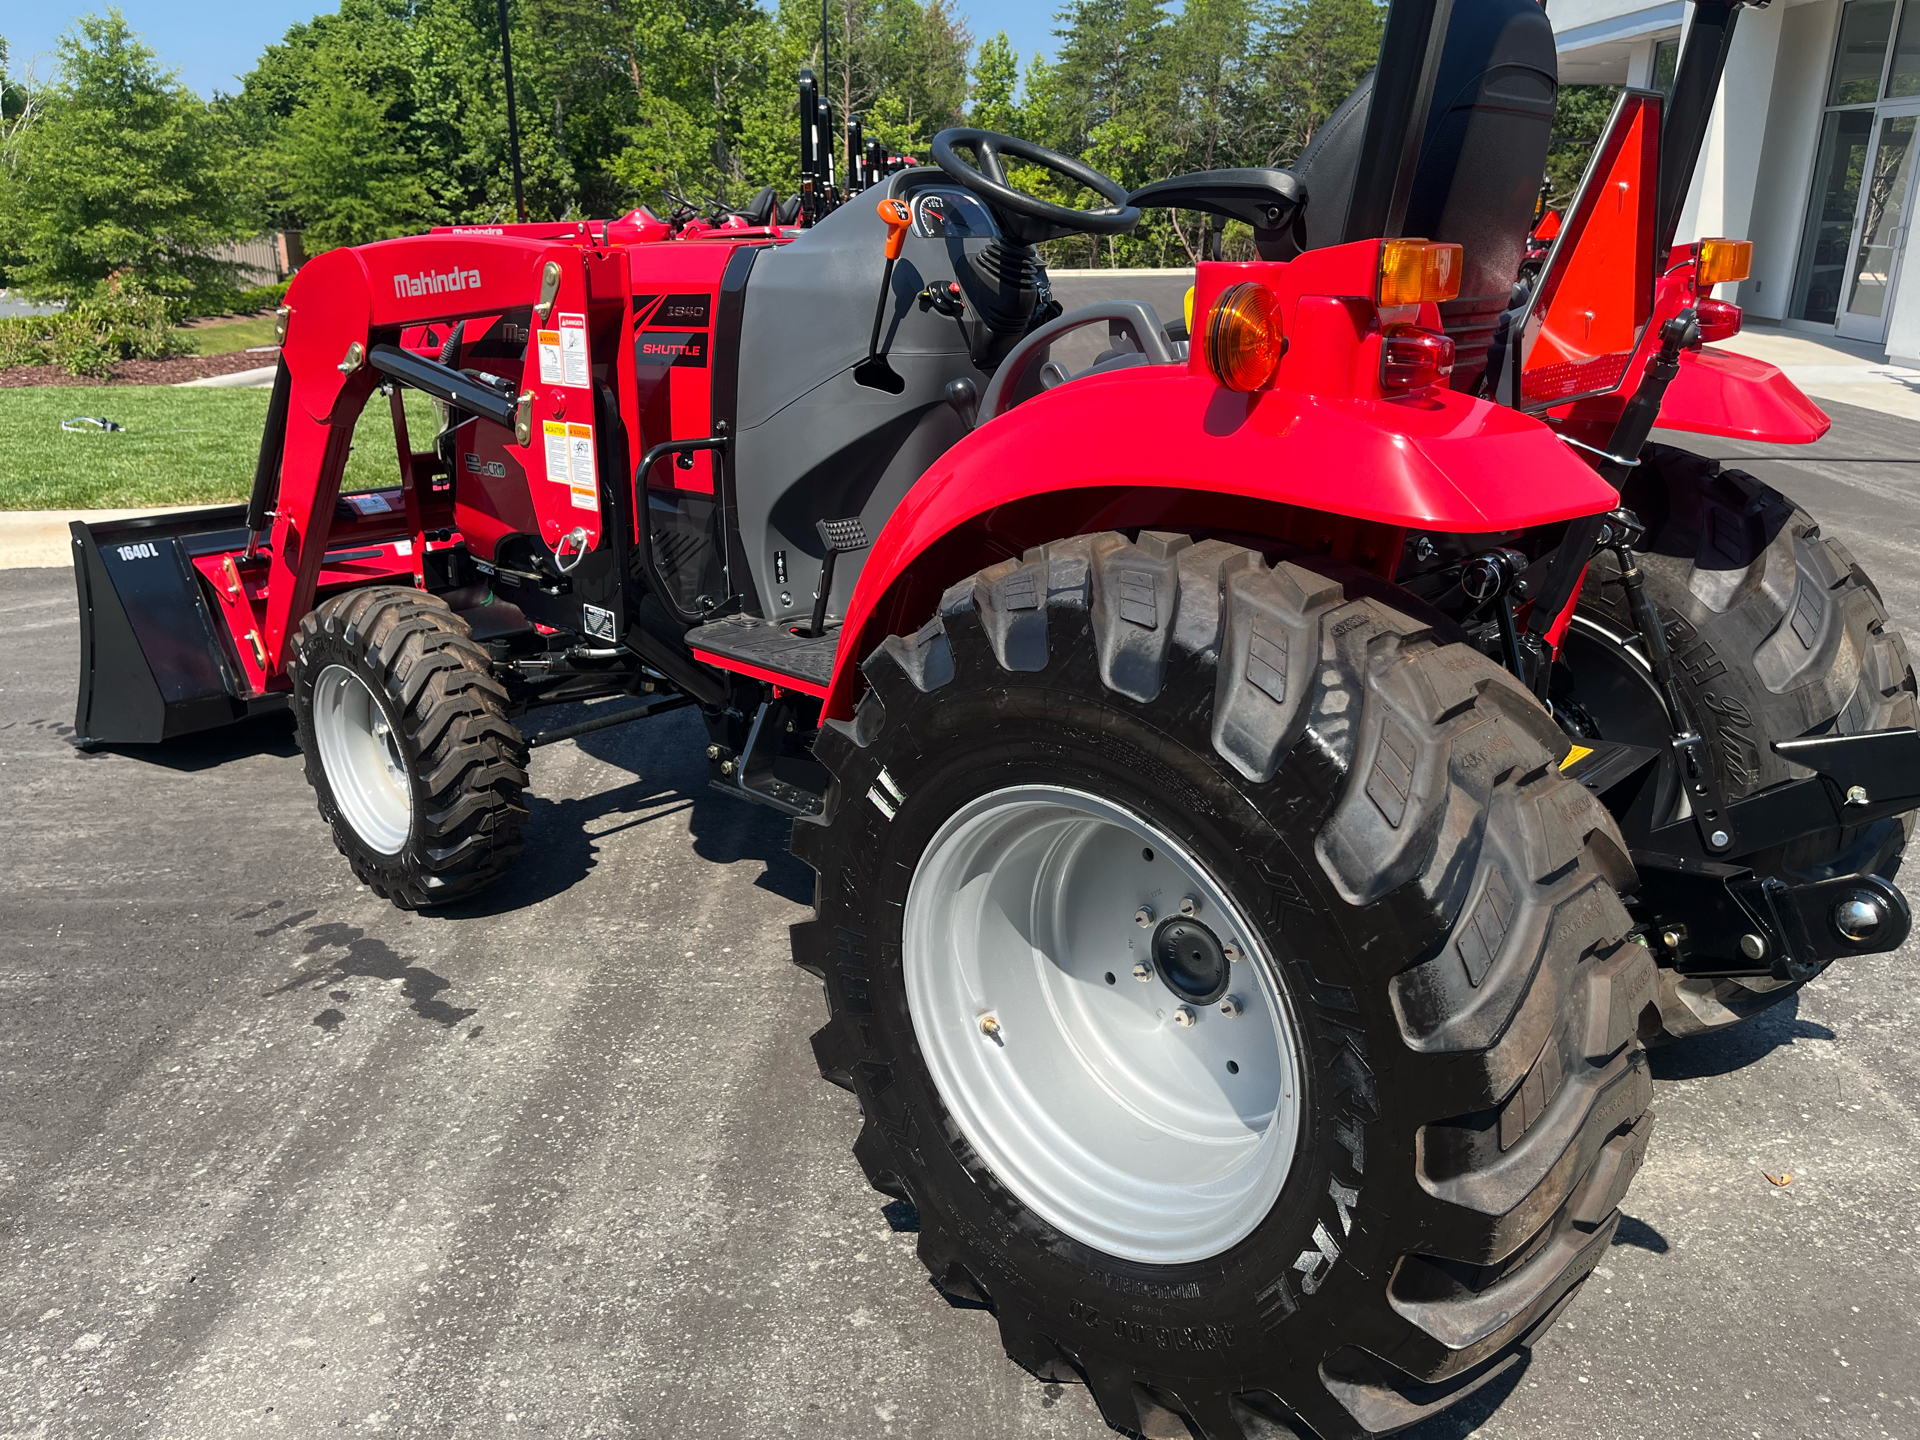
[[1811, 154]]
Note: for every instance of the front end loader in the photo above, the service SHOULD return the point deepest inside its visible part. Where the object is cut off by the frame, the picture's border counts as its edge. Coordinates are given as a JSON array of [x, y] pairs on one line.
[[1267, 786]]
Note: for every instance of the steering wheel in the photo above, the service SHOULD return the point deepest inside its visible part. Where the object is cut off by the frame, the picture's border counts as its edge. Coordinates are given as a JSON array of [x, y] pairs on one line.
[[1030, 219]]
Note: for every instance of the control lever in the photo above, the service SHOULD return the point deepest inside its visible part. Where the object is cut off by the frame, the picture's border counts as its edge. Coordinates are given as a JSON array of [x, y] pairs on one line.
[[1620, 532], [1494, 576], [874, 372], [840, 537]]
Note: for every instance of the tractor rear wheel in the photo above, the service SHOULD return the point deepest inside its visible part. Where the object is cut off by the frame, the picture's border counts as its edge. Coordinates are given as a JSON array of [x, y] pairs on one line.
[[1776, 633], [409, 750], [1232, 983]]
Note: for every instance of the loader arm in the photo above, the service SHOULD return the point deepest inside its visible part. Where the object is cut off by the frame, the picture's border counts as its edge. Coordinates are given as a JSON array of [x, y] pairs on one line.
[[346, 311]]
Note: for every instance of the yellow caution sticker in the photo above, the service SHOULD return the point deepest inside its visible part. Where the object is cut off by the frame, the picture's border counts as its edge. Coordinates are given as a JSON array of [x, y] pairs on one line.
[[584, 486], [1575, 756]]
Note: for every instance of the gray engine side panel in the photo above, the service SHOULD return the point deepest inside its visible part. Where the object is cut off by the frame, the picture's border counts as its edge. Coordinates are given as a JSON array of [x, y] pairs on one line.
[[811, 444]]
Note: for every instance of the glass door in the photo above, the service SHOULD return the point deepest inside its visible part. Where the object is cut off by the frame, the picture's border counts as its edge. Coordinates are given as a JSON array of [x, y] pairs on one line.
[[1880, 229], [1861, 209]]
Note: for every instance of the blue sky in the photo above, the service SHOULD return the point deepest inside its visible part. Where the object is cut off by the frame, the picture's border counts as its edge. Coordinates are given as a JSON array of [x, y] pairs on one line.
[[213, 43]]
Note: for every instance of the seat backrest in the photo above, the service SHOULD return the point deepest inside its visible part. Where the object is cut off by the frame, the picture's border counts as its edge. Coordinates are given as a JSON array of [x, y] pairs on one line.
[[1481, 161]]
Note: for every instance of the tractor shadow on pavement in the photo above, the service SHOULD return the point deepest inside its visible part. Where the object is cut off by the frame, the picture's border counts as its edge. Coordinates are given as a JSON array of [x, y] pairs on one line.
[[565, 836], [208, 749], [1735, 1048]]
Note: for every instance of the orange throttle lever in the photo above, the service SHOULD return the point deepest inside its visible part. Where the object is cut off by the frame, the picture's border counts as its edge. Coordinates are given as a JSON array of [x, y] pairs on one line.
[[899, 219]]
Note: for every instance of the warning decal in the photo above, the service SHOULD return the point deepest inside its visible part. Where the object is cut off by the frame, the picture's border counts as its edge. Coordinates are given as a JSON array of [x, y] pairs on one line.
[[585, 486], [573, 351], [550, 371], [569, 449], [559, 459]]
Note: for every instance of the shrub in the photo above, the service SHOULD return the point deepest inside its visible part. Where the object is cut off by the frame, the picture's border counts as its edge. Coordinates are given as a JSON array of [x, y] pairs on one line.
[[90, 337]]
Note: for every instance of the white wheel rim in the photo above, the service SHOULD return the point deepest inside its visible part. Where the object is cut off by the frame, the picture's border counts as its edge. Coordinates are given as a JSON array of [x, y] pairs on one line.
[[1119, 1126], [360, 753]]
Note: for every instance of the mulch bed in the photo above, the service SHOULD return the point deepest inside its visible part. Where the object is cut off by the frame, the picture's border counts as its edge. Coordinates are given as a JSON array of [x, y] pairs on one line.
[[138, 372]]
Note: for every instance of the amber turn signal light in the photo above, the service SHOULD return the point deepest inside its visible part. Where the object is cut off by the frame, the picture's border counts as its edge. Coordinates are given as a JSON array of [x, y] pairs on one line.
[[1244, 343], [1716, 262], [1412, 271]]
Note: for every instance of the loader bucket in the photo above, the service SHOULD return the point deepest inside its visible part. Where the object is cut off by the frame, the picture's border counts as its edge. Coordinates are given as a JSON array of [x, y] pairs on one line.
[[153, 660]]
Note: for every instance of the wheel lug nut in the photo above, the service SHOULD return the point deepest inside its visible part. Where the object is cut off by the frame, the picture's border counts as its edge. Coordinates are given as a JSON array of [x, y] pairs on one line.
[[1143, 917], [1233, 952], [1189, 907], [1184, 1017], [1232, 1005], [990, 1026], [1143, 971]]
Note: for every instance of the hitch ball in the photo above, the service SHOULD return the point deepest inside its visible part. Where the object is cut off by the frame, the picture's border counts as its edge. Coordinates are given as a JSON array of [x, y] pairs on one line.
[[1859, 917]]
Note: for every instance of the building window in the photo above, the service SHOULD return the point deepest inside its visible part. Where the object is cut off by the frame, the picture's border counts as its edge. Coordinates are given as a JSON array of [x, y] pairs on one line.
[[1666, 60], [1862, 52], [1850, 248], [1903, 76]]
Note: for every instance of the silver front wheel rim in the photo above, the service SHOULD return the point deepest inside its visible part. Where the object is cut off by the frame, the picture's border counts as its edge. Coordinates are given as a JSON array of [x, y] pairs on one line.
[[1141, 1131], [361, 755]]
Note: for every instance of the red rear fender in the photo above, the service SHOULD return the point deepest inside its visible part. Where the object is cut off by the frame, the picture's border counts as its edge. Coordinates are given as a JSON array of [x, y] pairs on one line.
[[1448, 462], [1720, 393]]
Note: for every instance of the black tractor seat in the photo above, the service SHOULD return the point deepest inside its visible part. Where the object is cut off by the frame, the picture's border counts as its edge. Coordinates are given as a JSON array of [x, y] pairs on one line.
[[1476, 185]]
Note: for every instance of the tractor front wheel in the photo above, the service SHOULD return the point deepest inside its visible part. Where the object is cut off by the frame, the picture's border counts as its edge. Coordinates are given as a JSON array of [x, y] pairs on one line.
[[1232, 983], [409, 750]]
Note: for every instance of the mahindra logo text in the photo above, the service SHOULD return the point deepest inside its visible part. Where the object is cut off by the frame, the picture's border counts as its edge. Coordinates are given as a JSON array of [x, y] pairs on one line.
[[429, 282]]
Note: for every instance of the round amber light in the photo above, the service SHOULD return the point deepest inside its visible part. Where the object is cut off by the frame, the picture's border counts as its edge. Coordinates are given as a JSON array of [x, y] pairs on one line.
[[1244, 344]]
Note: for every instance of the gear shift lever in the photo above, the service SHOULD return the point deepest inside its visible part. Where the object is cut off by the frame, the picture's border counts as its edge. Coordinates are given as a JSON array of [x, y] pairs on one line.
[[874, 372]]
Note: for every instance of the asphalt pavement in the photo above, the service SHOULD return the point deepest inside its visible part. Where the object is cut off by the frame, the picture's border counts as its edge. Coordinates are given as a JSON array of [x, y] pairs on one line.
[[279, 1159]]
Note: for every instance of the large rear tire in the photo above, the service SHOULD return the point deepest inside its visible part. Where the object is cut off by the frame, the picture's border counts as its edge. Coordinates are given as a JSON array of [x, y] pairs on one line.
[[1776, 633], [415, 765], [1440, 1095]]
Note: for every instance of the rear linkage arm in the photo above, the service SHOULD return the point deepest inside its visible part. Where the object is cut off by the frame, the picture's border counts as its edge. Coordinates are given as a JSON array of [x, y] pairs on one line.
[[1709, 917]]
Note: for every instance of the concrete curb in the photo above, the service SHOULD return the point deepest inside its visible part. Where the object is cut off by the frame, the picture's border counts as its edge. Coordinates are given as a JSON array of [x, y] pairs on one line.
[[239, 379], [41, 537]]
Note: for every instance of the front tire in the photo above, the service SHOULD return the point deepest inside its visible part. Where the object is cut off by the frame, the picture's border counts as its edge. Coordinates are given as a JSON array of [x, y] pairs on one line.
[[416, 768], [1446, 1092]]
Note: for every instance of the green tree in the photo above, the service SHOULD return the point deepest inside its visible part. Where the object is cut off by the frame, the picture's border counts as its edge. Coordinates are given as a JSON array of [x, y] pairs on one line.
[[995, 82], [20, 101], [1579, 116], [122, 178], [346, 170]]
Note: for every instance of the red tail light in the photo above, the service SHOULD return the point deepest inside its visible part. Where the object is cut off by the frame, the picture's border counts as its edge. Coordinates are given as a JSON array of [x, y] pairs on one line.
[[1413, 359], [1719, 319]]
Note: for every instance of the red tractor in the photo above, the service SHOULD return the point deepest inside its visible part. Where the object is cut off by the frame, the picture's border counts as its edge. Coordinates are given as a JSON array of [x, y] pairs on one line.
[[1265, 787]]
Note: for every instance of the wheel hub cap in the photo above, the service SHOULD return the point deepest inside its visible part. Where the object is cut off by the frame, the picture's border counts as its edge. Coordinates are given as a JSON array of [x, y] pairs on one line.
[[365, 767], [1147, 1128], [1191, 960]]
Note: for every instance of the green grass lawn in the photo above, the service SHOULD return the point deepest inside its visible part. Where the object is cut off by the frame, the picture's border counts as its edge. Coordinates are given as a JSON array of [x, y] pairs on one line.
[[180, 446], [231, 335]]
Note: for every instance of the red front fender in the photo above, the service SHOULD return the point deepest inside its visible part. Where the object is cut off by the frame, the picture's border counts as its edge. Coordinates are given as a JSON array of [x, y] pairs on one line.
[[1451, 463], [1720, 393]]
